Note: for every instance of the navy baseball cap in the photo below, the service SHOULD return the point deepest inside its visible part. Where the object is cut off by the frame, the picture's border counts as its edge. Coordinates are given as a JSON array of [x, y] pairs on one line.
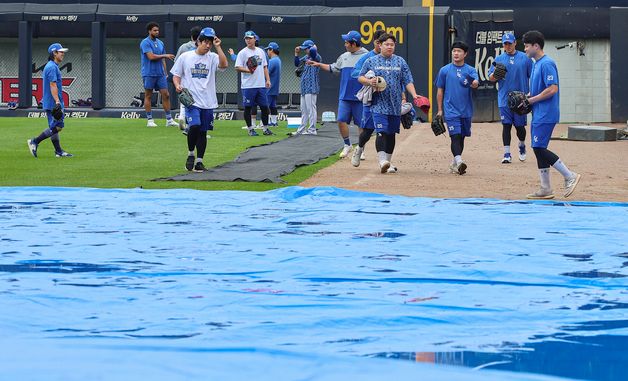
[[508, 38], [56, 47], [250, 33], [307, 44], [207, 32], [273, 46], [352, 36]]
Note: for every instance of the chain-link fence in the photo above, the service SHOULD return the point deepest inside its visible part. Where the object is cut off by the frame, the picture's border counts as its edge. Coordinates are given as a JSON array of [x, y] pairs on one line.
[[76, 70]]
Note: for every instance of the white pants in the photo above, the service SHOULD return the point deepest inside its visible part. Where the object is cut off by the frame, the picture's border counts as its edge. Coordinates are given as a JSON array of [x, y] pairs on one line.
[[308, 114]]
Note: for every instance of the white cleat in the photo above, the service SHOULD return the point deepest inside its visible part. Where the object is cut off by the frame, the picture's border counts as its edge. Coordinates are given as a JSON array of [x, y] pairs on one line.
[[345, 151], [357, 156], [392, 169], [151, 123], [363, 156], [570, 184], [172, 123], [384, 166]]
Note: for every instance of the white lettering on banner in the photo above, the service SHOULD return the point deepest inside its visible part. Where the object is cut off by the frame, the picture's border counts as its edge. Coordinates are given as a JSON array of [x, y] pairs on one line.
[[205, 18], [59, 18], [483, 62], [130, 115], [490, 37], [76, 114], [276, 19], [132, 18], [282, 117], [37, 114], [225, 116]]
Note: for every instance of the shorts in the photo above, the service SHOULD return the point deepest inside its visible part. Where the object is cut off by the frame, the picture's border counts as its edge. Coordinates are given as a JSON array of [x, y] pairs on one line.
[[367, 118], [541, 134], [348, 110], [460, 126], [386, 124], [510, 117], [272, 101], [257, 96], [155, 83], [203, 117], [52, 123]]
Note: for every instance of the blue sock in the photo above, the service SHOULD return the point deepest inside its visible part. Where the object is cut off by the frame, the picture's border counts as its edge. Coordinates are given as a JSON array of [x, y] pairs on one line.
[[347, 141], [149, 115], [45, 134], [168, 116]]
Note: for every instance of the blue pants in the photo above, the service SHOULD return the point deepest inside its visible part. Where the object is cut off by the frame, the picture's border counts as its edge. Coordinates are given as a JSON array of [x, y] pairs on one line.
[[203, 117], [386, 124], [460, 126], [509, 117], [52, 123], [348, 110], [255, 97], [155, 83], [367, 118], [541, 134], [272, 101]]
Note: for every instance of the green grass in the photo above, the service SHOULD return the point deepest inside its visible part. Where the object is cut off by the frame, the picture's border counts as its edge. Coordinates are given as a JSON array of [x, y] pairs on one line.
[[124, 153]]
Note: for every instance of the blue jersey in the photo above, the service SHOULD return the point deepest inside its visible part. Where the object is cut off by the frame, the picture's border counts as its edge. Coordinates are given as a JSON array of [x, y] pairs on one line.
[[397, 74], [152, 68], [309, 78], [358, 66], [349, 86], [517, 78], [274, 72], [51, 74], [544, 75], [455, 82]]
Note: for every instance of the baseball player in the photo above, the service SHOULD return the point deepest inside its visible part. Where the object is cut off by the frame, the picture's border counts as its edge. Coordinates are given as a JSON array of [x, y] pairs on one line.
[[154, 73], [544, 98], [386, 103], [274, 72], [349, 107], [196, 72], [190, 45], [52, 102], [454, 83], [252, 65], [517, 77], [367, 120], [310, 85]]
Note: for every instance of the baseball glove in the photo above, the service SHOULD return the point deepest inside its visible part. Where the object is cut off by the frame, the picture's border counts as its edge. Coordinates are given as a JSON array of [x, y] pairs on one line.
[[251, 64], [438, 125], [57, 112], [186, 98], [500, 71], [299, 70], [407, 115], [518, 102]]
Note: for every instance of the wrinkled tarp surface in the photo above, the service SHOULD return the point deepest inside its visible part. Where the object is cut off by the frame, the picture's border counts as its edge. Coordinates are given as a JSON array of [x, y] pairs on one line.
[[304, 284]]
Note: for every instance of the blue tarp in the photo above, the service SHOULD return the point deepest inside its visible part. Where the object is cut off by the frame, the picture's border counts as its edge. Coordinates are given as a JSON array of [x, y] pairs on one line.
[[303, 283]]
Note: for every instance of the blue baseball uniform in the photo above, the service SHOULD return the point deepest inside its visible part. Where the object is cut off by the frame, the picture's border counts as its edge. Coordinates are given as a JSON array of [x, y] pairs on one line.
[[349, 107], [310, 83], [274, 72], [386, 105], [52, 74], [519, 67], [545, 114], [367, 117], [153, 74], [457, 97]]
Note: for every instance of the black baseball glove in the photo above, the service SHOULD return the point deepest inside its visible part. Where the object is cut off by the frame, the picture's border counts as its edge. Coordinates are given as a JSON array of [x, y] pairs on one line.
[[57, 112], [186, 98], [251, 64], [518, 102], [299, 70], [500, 71], [438, 125]]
